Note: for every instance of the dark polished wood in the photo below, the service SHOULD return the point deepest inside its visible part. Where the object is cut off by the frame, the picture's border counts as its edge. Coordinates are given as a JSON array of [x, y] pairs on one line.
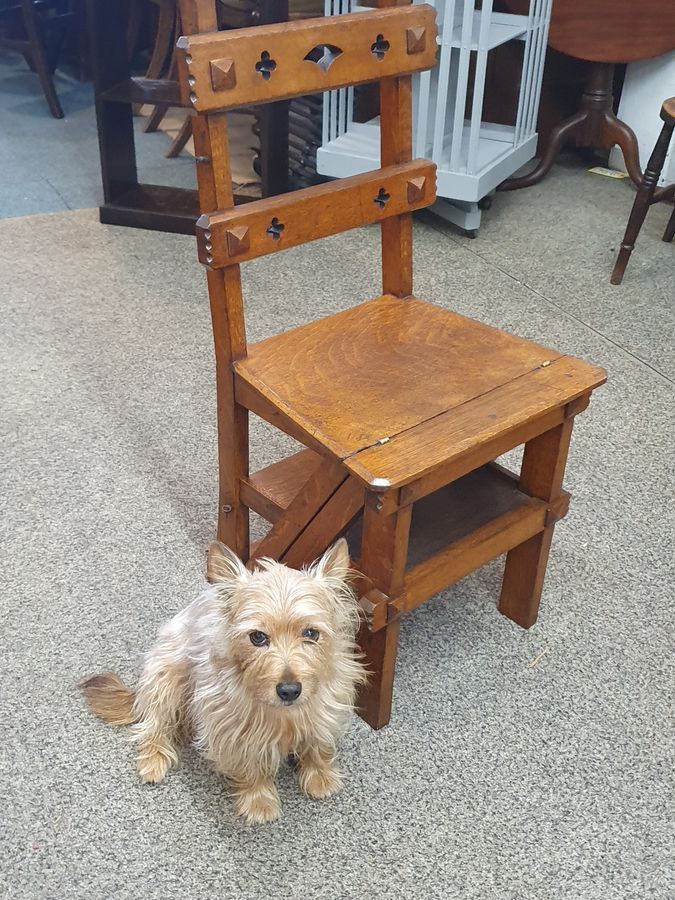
[[613, 31], [647, 194], [126, 200], [41, 32], [602, 32]]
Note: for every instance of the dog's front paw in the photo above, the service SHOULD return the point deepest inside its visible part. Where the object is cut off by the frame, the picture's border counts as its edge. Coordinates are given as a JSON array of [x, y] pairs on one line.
[[258, 805], [320, 783], [153, 762]]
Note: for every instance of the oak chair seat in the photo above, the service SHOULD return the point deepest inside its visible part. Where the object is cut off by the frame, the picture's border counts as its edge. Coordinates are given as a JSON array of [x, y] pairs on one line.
[[394, 386]]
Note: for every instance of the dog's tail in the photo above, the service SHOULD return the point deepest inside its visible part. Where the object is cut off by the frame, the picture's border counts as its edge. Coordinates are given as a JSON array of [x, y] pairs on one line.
[[109, 698]]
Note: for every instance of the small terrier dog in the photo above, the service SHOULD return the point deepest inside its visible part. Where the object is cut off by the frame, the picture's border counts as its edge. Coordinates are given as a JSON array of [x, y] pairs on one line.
[[260, 666]]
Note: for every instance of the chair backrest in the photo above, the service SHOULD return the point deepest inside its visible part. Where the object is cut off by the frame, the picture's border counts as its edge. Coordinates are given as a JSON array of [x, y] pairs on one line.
[[223, 70]]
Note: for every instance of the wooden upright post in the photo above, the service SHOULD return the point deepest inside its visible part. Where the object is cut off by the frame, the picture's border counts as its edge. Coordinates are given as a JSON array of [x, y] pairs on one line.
[[396, 147], [541, 476], [214, 181], [384, 550]]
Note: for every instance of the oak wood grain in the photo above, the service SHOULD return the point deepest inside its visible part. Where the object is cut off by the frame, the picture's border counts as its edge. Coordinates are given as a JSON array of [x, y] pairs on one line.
[[378, 370], [271, 490], [270, 62], [315, 493], [384, 550], [472, 551], [541, 476], [451, 444], [396, 147], [327, 525], [277, 223]]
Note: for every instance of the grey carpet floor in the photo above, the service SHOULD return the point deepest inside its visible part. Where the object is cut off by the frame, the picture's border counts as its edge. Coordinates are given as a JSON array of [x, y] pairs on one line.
[[497, 778]]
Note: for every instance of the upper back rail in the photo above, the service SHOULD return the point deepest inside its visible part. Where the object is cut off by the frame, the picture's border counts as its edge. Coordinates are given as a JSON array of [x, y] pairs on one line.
[[247, 66]]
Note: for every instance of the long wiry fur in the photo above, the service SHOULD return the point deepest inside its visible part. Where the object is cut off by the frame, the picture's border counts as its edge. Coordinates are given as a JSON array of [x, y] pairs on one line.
[[204, 677]]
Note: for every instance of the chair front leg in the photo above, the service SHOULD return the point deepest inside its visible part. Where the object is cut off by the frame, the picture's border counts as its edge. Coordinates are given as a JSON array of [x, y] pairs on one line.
[[541, 476], [384, 550]]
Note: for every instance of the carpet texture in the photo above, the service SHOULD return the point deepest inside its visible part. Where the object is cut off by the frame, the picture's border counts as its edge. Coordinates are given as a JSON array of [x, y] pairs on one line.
[[505, 773]]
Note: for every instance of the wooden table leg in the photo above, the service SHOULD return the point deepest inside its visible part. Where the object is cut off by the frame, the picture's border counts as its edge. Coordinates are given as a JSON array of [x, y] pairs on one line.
[[541, 476], [384, 550]]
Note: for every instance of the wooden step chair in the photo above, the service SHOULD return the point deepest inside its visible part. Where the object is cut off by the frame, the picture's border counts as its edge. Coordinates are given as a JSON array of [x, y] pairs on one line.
[[402, 406]]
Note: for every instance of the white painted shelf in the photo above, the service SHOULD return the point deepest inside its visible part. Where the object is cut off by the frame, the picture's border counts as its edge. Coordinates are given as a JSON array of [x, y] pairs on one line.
[[472, 156]]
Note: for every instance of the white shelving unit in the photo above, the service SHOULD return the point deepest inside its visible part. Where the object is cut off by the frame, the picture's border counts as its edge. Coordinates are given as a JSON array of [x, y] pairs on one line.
[[472, 156]]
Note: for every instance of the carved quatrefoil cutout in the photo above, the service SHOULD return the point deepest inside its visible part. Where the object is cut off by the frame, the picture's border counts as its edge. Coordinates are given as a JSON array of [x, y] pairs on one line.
[[265, 65], [275, 228], [382, 198], [380, 47], [324, 55]]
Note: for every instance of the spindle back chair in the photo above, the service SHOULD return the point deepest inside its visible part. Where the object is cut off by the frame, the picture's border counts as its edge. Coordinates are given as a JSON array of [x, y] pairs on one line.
[[402, 406]]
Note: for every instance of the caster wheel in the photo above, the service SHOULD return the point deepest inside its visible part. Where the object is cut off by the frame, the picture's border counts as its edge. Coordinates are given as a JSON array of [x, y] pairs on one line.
[[485, 202], [471, 233]]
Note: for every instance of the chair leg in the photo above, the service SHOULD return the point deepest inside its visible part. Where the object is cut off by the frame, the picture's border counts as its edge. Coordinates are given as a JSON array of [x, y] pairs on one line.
[[233, 516], [233, 459], [541, 476], [39, 58], [379, 649], [184, 134], [669, 233], [384, 550], [642, 202]]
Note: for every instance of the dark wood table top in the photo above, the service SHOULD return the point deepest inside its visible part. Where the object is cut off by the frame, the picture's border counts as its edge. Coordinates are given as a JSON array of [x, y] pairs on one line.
[[613, 31]]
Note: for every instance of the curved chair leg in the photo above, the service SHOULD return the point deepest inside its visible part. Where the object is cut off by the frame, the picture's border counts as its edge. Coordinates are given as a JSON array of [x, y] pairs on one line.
[[617, 132], [543, 167], [181, 139], [39, 58], [163, 41], [154, 120], [642, 202]]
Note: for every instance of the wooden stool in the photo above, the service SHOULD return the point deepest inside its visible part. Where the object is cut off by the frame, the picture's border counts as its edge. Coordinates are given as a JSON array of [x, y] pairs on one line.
[[645, 194], [402, 406]]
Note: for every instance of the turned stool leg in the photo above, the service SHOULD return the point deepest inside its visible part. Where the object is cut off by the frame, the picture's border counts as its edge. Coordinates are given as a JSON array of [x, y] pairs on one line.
[[384, 549], [541, 476], [642, 201], [669, 233]]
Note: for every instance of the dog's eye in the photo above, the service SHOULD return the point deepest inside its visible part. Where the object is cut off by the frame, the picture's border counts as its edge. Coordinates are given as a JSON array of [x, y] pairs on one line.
[[259, 638], [311, 634]]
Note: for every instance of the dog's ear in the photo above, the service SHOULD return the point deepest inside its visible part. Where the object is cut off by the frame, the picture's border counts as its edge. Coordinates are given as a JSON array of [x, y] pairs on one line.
[[334, 563], [223, 566]]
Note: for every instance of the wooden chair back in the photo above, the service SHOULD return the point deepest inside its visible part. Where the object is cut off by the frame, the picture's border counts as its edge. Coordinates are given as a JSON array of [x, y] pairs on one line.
[[219, 71]]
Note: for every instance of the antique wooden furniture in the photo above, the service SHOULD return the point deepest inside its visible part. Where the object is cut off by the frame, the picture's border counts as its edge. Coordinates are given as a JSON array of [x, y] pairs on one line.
[[645, 195], [604, 32], [36, 30], [401, 405], [126, 200]]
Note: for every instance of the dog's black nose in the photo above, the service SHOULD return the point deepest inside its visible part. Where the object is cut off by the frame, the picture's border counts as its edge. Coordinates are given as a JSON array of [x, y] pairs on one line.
[[289, 691]]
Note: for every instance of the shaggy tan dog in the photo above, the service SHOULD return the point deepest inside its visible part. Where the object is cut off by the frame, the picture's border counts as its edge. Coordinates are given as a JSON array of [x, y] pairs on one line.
[[262, 665]]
